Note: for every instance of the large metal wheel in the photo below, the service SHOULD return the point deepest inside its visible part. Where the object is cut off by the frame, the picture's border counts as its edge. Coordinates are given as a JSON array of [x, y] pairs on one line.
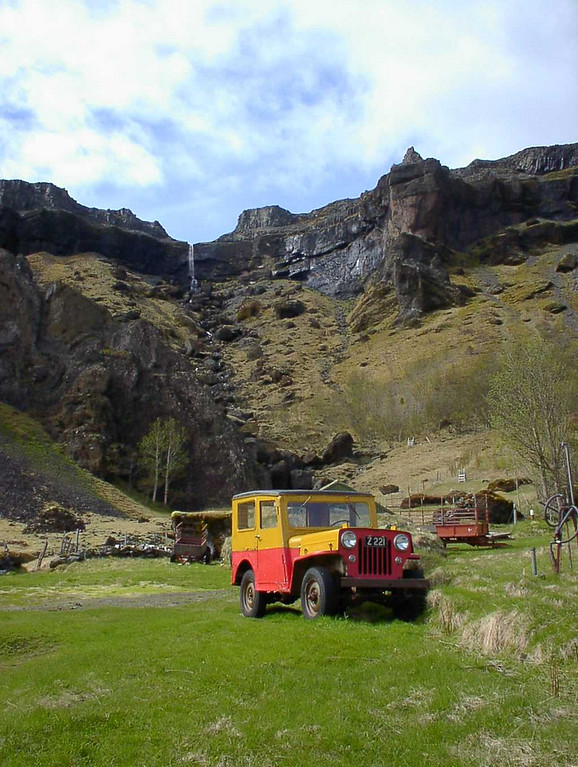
[[318, 593], [409, 604], [253, 602], [553, 509]]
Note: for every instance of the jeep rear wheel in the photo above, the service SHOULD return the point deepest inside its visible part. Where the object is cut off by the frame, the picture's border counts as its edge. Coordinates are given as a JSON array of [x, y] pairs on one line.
[[318, 593], [253, 602]]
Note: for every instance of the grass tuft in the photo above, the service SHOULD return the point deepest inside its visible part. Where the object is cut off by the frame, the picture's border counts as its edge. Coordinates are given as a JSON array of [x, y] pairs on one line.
[[497, 633], [445, 613]]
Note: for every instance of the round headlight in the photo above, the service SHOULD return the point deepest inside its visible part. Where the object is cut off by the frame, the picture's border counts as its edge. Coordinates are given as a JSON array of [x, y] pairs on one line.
[[401, 542], [348, 539]]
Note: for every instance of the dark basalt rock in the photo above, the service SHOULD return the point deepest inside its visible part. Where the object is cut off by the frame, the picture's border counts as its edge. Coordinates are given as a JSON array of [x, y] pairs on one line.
[[288, 309], [23, 196], [340, 448], [55, 519], [64, 234]]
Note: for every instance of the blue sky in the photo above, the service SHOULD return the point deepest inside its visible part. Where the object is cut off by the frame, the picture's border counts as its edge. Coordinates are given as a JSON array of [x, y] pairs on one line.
[[189, 111]]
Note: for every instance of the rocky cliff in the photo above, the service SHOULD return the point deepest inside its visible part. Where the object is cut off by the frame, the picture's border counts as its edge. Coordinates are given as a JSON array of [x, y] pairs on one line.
[[24, 196], [96, 349], [421, 219], [43, 217]]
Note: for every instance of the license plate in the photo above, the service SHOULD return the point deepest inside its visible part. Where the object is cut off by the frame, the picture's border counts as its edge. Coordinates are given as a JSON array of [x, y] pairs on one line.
[[376, 540]]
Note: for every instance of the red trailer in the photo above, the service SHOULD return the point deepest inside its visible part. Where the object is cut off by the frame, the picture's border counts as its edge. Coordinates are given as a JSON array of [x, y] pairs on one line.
[[462, 523], [469, 525]]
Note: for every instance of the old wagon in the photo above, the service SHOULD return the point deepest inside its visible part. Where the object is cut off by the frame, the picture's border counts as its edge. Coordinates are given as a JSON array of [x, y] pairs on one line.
[[191, 538]]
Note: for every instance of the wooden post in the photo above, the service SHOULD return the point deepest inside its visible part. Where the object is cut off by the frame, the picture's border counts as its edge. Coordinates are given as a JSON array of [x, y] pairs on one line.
[[42, 555], [534, 562]]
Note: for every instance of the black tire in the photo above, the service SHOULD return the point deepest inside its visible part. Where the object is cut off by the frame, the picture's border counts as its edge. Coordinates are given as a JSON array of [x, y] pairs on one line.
[[408, 604], [553, 509], [253, 602], [318, 593]]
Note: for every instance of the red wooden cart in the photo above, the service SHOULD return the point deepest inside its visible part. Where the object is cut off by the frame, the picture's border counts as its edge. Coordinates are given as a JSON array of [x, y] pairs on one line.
[[191, 538]]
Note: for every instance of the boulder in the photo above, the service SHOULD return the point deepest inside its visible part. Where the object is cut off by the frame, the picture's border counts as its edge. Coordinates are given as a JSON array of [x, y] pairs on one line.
[[508, 485], [568, 262], [55, 519], [288, 309], [340, 448]]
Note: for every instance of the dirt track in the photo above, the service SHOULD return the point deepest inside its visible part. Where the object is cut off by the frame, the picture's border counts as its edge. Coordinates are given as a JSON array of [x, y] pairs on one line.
[[179, 599]]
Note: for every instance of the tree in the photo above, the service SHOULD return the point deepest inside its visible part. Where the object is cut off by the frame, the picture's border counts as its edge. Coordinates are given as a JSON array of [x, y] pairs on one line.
[[151, 451], [531, 401], [175, 453], [162, 453]]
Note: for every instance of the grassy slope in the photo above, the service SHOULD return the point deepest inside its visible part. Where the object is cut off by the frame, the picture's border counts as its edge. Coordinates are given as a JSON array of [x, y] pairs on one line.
[[95, 278], [504, 309], [201, 685]]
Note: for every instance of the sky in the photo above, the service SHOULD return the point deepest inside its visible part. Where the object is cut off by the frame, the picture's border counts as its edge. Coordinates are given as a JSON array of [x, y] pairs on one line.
[[190, 111]]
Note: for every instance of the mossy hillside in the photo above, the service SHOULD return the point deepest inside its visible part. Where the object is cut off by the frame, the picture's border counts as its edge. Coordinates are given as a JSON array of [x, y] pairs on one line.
[[508, 304], [120, 293], [288, 373]]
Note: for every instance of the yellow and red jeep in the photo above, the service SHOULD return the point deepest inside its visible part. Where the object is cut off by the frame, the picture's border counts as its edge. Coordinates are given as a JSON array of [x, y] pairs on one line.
[[324, 547]]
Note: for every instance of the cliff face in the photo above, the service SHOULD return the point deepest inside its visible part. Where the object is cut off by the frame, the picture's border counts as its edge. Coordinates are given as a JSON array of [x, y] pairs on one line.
[[43, 217], [24, 196], [98, 382], [421, 219], [416, 222], [98, 355]]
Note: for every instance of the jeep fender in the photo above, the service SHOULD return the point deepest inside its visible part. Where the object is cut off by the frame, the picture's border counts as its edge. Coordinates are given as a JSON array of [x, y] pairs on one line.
[[333, 563]]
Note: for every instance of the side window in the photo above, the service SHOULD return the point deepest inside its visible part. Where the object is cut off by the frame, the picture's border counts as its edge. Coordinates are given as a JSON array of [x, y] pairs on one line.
[[268, 514], [296, 514], [246, 515]]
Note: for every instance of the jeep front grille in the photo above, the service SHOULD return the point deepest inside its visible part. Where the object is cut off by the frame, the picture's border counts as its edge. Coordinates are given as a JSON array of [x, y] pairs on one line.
[[374, 560]]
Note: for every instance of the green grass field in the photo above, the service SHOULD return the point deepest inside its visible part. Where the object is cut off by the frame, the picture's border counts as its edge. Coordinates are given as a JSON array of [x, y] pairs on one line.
[[489, 677]]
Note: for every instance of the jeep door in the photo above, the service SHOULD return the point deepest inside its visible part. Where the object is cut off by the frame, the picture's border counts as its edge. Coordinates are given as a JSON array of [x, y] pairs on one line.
[[271, 556]]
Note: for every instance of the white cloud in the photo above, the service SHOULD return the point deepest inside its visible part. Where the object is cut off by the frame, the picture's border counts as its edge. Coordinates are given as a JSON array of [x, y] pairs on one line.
[[235, 103]]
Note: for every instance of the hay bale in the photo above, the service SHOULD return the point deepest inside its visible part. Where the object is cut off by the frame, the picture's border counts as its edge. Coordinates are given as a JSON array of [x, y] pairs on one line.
[[227, 551]]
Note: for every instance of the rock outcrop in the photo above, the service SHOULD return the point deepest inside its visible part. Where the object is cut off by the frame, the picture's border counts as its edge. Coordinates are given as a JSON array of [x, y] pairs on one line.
[[24, 196], [43, 217], [419, 220]]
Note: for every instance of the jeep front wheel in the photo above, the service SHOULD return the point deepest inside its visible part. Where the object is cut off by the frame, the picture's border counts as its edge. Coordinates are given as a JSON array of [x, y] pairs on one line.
[[253, 602], [408, 604], [318, 593]]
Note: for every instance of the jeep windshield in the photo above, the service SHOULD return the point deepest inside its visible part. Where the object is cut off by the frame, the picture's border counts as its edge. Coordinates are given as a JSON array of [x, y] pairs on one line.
[[315, 513]]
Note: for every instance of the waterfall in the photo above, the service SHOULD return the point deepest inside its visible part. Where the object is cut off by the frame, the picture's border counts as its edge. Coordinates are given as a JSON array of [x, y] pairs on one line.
[[192, 280]]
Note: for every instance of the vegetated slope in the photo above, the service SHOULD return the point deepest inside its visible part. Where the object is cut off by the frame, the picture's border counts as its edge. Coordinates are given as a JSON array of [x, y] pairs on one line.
[[289, 370]]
